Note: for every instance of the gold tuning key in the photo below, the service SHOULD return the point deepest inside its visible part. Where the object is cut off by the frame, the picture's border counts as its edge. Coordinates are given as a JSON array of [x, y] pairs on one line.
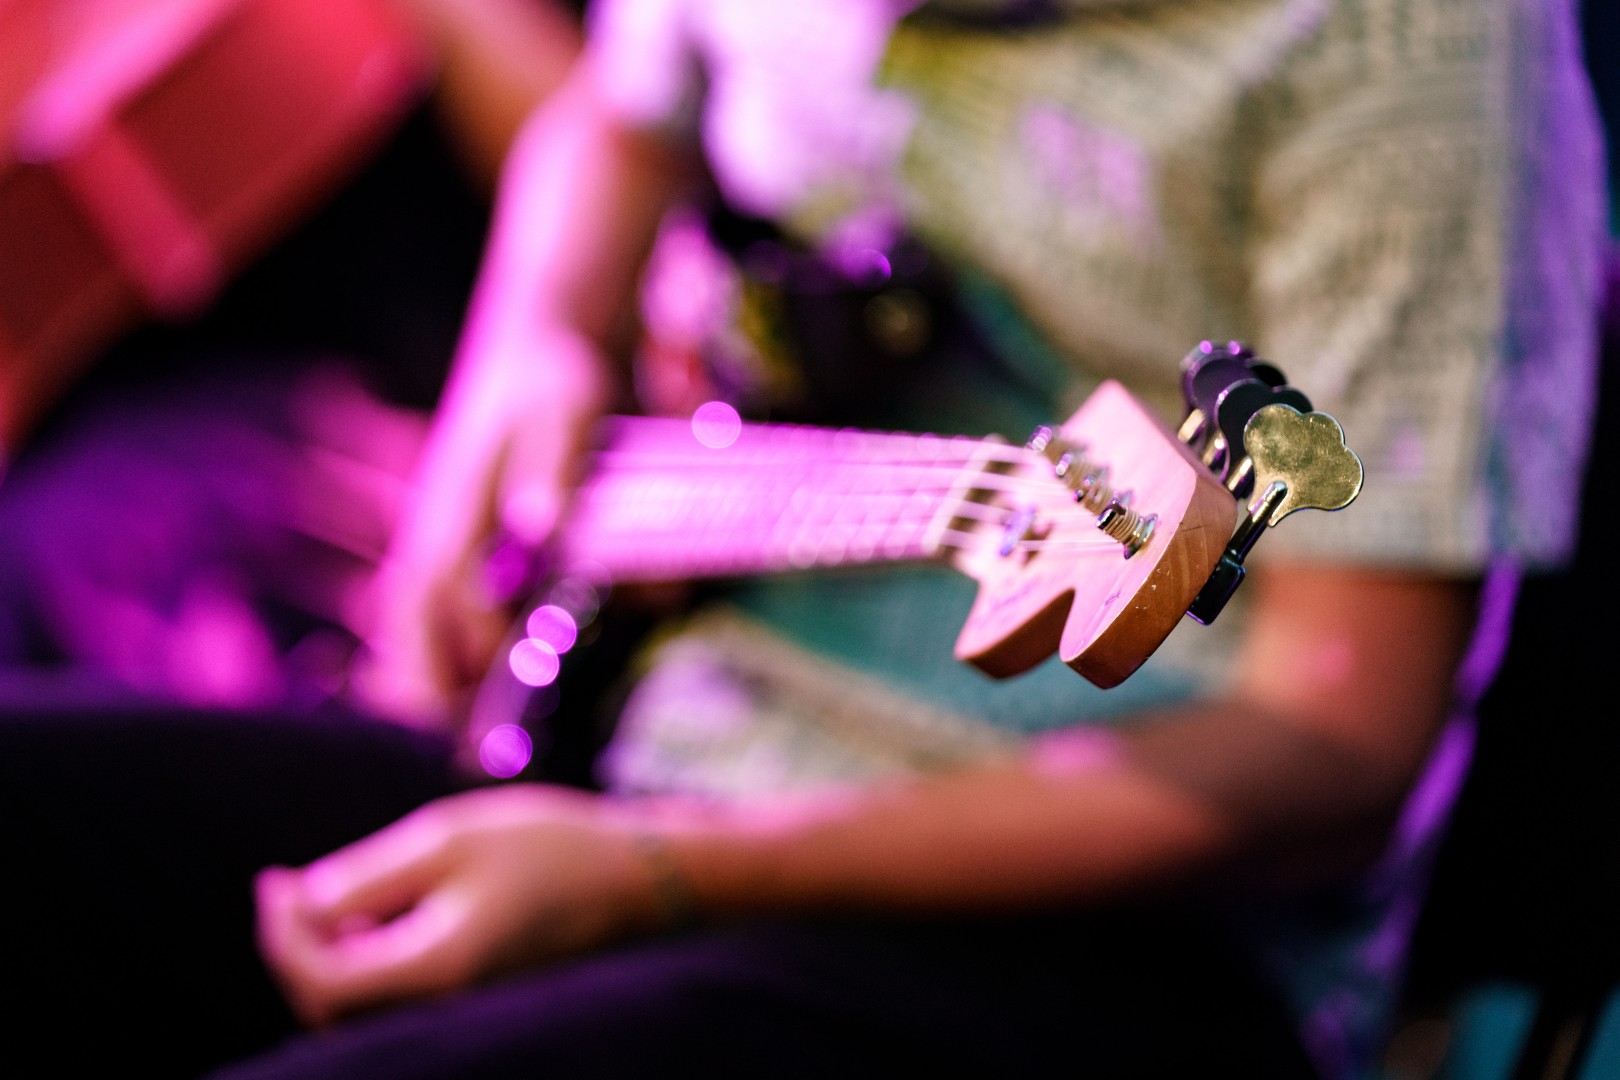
[[1306, 455], [1299, 461]]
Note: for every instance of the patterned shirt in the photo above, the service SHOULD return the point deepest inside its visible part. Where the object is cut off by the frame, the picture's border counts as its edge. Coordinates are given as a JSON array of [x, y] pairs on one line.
[[1400, 202]]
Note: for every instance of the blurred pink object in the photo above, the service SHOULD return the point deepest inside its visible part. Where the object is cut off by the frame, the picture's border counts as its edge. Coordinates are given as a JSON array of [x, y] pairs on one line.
[[152, 147]]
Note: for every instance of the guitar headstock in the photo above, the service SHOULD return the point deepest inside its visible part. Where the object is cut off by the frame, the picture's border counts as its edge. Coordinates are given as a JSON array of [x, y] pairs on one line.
[[1114, 527], [1053, 580]]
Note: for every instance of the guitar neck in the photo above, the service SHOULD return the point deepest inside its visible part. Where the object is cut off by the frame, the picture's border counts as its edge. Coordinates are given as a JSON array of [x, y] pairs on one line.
[[1091, 542], [659, 504]]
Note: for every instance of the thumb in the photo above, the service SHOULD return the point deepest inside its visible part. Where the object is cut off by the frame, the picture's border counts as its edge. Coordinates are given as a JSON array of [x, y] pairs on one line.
[[326, 976]]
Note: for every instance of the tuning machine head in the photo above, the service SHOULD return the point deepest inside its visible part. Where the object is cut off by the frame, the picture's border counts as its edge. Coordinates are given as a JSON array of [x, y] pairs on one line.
[[1087, 478], [1266, 443]]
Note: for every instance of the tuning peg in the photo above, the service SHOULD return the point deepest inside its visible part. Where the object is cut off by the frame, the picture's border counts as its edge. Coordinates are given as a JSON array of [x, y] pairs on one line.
[[1299, 461], [1208, 372], [1202, 356], [1234, 408], [1304, 454], [1234, 357]]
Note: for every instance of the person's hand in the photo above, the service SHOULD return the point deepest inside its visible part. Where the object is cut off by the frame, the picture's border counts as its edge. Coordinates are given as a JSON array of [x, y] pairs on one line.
[[503, 454], [459, 891], [549, 328]]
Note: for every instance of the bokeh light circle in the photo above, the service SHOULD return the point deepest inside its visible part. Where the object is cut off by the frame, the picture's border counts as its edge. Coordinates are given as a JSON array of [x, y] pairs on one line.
[[554, 626], [505, 751], [716, 424], [534, 663]]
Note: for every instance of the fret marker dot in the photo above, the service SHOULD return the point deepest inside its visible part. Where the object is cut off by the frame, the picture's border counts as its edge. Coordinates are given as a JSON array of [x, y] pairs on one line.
[[716, 424]]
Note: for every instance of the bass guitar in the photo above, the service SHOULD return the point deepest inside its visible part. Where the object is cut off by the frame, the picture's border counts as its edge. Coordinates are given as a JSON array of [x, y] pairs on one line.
[[1090, 541]]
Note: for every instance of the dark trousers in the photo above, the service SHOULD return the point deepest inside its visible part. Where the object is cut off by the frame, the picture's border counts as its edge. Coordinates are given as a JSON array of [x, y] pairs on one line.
[[131, 833]]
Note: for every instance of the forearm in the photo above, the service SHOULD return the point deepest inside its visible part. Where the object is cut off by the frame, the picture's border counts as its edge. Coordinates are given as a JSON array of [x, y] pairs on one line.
[[580, 203], [1076, 820], [1007, 834], [553, 312], [1293, 779]]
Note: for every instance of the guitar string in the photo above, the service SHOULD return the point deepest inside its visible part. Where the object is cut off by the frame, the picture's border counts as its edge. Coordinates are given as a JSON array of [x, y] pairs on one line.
[[680, 491], [918, 523], [848, 507], [952, 539], [825, 510], [783, 446], [908, 450], [826, 479], [643, 453], [745, 457], [844, 520], [766, 448], [862, 477]]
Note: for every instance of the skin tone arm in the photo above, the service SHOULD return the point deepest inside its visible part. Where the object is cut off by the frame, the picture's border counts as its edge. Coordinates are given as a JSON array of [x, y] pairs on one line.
[[1296, 777], [574, 223], [1293, 780]]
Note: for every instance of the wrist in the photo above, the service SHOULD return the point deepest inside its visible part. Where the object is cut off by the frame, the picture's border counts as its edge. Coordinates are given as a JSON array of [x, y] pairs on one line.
[[732, 862], [674, 903]]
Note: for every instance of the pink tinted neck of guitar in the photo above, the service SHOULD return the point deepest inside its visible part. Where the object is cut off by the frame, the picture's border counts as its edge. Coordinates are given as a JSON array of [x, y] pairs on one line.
[[660, 505]]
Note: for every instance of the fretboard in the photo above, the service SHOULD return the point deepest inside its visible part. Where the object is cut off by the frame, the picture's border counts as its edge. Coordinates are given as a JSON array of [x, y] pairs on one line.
[[661, 505]]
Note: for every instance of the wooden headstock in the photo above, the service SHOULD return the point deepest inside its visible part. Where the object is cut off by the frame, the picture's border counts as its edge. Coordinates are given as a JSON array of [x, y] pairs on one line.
[[1056, 582]]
